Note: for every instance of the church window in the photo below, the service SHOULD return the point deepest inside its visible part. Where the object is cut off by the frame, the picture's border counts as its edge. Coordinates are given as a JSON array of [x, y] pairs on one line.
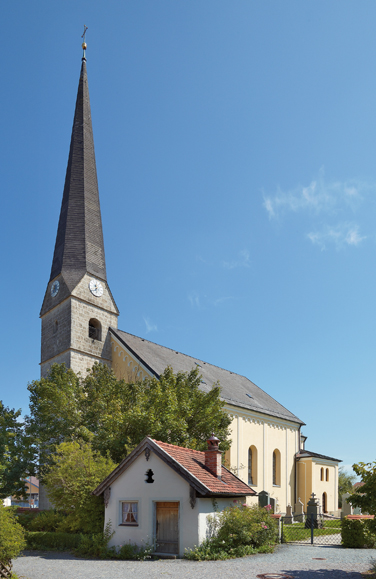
[[327, 475], [95, 329], [252, 465], [276, 467], [321, 474]]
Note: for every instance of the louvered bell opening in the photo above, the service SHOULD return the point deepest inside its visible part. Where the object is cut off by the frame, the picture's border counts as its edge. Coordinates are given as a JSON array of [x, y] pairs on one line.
[[94, 330]]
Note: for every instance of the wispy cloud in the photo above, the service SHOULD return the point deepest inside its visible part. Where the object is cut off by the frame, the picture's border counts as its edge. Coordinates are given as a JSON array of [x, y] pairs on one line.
[[317, 197], [221, 300], [194, 299], [202, 301], [340, 235], [327, 199], [242, 261], [150, 326]]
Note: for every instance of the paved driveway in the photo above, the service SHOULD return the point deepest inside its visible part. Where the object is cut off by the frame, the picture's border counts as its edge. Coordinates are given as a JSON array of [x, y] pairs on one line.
[[299, 561]]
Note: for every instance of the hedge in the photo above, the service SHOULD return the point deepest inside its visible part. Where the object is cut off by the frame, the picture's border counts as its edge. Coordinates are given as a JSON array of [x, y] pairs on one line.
[[56, 541], [358, 533]]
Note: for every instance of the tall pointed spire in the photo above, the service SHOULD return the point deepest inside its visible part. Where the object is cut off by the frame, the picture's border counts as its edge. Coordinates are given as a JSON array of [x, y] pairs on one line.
[[79, 246]]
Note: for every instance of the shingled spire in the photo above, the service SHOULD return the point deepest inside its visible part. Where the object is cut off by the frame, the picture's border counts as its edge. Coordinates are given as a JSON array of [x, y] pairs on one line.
[[79, 246]]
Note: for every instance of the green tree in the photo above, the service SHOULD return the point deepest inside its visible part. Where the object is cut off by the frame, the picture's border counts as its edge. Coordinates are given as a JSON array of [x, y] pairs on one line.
[[76, 470], [365, 496], [12, 540], [345, 483], [115, 415], [54, 412], [16, 453]]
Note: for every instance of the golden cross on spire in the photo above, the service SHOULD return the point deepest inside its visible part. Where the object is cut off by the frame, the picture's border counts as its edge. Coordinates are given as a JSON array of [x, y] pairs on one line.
[[84, 45]]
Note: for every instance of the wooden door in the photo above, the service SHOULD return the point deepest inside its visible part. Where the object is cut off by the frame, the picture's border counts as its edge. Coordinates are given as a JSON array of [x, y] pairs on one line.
[[167, 527]]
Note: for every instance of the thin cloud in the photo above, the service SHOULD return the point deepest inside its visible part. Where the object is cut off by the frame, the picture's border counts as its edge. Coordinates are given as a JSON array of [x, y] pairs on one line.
[[242, 261], [340, 236], [194, 299], [221, 300], [317, 197], [150, 326]]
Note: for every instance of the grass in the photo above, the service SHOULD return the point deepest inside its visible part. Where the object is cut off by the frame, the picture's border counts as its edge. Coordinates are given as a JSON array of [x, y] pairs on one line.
[[298, 532]]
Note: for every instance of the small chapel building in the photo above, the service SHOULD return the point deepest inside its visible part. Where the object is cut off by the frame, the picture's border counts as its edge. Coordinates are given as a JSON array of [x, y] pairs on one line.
[[80, 327], [184, 490]]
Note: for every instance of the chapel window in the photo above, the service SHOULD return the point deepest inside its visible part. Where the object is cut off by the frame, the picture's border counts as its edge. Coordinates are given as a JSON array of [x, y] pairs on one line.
[[129, 513], [327, 475], [322, 474], [95, 329]]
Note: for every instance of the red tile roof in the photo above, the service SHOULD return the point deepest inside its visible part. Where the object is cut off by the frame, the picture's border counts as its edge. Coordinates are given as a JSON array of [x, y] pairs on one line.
[[193, 461]]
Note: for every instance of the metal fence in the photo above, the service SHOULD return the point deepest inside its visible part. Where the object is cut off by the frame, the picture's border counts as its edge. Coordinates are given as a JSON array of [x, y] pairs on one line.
[[312, 530]]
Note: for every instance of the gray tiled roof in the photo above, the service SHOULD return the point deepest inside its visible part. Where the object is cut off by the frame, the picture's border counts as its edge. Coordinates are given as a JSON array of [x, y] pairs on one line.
[[309, 454], [79, 244], [236, 390]]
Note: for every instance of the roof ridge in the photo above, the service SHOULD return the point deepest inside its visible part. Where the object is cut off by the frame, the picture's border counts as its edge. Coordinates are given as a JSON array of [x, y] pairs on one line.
[[185, 448]]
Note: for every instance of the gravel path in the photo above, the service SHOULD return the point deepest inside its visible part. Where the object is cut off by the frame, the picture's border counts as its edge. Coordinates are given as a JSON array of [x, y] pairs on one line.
[[299, 561]]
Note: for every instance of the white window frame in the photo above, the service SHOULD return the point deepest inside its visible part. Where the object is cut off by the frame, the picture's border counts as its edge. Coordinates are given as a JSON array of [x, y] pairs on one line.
[[136, 511]]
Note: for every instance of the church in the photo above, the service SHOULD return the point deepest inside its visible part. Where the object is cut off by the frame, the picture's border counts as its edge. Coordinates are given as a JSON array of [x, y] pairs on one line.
[[80, 327]]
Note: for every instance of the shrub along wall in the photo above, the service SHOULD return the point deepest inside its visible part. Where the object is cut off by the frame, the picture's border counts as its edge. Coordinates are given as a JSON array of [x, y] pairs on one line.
[[358, 532], [56, 541]]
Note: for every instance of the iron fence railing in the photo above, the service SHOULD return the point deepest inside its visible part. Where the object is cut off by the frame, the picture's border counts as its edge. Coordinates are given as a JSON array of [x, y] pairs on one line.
[[312, 530]]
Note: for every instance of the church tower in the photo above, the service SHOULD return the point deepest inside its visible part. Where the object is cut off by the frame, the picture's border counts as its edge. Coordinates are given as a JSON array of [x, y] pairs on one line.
[[78, 308]]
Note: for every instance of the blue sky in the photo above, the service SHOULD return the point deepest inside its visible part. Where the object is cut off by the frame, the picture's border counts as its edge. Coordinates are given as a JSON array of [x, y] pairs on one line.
[[236, 148]]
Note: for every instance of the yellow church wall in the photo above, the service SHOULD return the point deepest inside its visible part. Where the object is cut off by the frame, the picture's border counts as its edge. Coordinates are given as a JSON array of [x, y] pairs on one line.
[[125, 366], [304, 486], [264, 435], [329, 485], [309, 477]]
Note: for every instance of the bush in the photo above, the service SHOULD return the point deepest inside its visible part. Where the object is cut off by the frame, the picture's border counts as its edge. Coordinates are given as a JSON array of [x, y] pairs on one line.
[[96, 545], [12, 539], [52, 541], [48, 521], [25, 519], [237, 531], [358, 533], [129, 551]]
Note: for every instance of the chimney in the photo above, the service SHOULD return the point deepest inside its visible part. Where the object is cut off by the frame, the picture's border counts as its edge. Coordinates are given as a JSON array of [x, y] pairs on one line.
[[213, 460]]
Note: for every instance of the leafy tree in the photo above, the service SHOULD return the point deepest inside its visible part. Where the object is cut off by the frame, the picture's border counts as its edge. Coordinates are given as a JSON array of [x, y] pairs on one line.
[[365, 496], [12, 540], [16, 453], [345, 483], [54, 412], [75, 472], [115, 415]]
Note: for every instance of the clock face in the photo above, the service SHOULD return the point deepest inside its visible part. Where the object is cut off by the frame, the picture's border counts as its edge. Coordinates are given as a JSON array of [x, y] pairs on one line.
[[96, 288], [55, 288]]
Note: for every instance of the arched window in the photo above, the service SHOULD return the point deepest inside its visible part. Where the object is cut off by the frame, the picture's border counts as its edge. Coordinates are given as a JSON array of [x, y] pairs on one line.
[[276, 467], [95, 329], [324, 503], [321, 474], [252, 465], [327, 475]]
